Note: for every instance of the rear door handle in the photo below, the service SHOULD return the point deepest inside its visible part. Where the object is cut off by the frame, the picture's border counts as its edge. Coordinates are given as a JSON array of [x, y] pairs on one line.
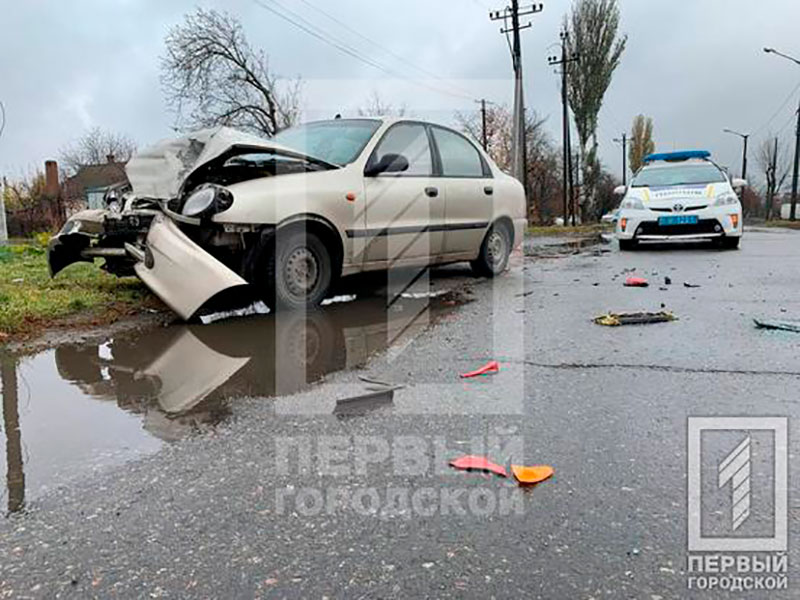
[[488, 190], [432, 192]]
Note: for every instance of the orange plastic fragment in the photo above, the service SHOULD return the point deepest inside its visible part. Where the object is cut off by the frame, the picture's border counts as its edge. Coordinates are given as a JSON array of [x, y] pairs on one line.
[[636, 282], [531, 475], [488, 369], [478, 463]]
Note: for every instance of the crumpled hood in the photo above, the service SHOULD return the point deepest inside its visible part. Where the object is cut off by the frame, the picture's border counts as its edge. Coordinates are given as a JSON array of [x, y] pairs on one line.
[[160, 170]]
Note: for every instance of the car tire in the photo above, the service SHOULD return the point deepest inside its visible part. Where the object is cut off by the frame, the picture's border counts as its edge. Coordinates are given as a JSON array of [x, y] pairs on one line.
[[296, 271], [627, 245], [730, 243], [494, 254]]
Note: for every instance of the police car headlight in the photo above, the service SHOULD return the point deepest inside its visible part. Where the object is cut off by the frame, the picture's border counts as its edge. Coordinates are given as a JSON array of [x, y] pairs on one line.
[[633, 204], [726, 200]]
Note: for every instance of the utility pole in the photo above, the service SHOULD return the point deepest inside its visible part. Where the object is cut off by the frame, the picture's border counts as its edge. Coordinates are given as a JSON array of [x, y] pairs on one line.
[[484, 131], [567, 166], [513, 13], [3, 224], [624, 141], [483, 126], [793, 212], [3, 220]]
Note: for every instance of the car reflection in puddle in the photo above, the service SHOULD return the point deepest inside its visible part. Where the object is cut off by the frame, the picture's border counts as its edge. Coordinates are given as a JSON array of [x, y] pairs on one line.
[[173, 381]]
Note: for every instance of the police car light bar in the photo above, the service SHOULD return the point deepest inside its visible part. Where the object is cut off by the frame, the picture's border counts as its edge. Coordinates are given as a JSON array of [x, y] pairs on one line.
[[677, 156]]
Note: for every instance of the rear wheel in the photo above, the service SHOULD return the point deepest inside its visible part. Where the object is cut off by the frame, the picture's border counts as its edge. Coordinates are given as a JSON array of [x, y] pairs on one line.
[[627, 245], [295, 271], [495, 250]]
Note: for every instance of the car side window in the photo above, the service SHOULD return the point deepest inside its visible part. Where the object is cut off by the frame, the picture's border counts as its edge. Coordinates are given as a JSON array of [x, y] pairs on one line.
[[411, 141], [459, 157]]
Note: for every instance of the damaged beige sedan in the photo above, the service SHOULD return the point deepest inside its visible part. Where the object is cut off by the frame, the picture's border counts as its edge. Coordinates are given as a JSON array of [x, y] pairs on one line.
[[217, 216]]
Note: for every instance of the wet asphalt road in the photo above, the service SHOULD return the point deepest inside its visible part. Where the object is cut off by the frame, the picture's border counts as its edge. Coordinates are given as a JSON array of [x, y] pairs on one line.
[[217, 515]]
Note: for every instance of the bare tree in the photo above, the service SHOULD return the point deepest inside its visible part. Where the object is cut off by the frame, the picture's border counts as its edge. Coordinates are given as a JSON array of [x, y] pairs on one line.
[[593, 35], [774, 161], [96, 146], [499, 136], [641, 141], [212, 76], [377, 107]]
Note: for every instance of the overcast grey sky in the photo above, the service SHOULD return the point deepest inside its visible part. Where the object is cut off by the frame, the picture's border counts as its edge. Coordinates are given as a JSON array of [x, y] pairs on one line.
[[695, 66]]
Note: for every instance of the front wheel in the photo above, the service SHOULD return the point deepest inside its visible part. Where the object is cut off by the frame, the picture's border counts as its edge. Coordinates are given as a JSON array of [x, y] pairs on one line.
[[296, 271], [730, 243], [495, 250]]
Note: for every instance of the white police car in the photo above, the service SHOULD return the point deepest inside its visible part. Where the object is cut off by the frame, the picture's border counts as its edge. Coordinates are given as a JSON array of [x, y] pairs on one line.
[[680, 196]]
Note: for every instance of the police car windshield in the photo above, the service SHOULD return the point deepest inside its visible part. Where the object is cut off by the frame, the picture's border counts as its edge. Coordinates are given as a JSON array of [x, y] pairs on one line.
[[690, 174]]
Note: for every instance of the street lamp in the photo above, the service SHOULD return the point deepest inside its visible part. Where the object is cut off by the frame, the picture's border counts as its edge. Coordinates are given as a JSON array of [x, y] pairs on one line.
[[797, 140], [781, 54], [745, 137]]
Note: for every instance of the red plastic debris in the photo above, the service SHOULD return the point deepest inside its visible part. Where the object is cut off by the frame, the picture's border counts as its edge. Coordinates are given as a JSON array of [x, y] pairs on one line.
[[488, 369], [478, 463], [636, 282]]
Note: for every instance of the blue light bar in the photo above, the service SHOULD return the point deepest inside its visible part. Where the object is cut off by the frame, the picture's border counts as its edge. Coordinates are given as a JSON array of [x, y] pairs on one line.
[[677, 156]]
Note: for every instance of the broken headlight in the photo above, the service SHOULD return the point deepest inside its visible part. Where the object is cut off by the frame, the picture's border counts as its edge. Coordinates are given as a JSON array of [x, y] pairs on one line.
[[207, 200]]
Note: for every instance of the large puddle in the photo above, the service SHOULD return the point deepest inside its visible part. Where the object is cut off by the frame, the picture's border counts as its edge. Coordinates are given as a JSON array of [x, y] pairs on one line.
[[78, 408]]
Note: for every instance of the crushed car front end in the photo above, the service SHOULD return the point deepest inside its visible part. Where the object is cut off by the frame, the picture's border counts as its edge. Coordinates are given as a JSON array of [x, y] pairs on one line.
[[163, 230]]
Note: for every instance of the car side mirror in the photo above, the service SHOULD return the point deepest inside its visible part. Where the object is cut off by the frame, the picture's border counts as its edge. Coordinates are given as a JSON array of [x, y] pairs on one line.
[[620, 190], [389, 163], [739, 184]]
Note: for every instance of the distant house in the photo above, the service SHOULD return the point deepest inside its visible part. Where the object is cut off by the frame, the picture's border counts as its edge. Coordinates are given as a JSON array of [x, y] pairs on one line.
[[88, 186]]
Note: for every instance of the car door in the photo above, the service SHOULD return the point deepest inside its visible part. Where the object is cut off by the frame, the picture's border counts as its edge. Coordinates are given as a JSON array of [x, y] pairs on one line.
[[469, 191], [405, 210]]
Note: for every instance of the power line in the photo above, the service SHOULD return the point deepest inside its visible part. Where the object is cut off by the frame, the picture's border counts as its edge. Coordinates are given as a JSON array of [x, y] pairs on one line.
[[777, 112], [3, 115], [381, 47], [303, 24]]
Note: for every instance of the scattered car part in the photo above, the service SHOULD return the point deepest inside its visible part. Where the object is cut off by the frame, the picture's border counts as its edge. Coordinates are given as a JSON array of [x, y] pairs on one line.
[[531, 475], [478, 463], [793, 326], [643, 318], [358, 405], [636, 282], [686, 284], [489, 368]]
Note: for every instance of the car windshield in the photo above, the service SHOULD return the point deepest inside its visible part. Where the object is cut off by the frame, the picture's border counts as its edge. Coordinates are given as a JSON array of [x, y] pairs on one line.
[[338, 142], [678, 175]]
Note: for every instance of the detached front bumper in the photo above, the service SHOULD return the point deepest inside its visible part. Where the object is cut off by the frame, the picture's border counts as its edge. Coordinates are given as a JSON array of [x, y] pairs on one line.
[[151, 246], [643, 225]]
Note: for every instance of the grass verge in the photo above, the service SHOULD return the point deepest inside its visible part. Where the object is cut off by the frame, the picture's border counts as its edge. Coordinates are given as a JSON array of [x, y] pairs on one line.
[[31, 301], [784, 224], [556, 230]]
